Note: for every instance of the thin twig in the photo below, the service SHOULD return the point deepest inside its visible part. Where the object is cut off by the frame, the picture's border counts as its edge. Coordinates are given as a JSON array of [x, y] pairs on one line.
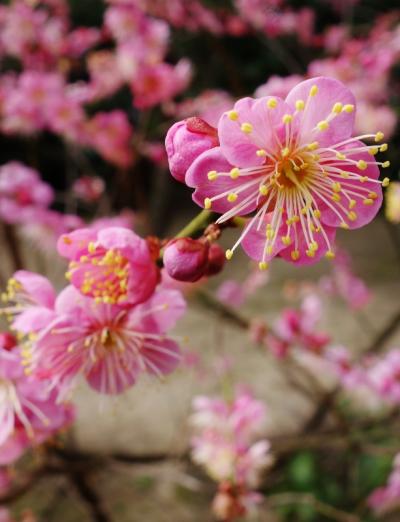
[[283, 499]]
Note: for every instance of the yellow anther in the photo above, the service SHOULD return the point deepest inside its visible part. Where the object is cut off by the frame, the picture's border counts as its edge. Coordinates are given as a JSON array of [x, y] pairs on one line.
[[336, 197], [364, 179], [262, 265], [362, 165], [313, 145], [344, 174], [263, 190], [379, 136], [261, 153], [322, 125], [317, 213], [310, 253], [385, 164], [368, 202], [383, 148], [268, 250], [337, 108], [295, 254], [246, 128], [270, 234], [373, 150], [285, 152], [207, 203], [349, 107], [68, 275], [330, 254], [344, 225], [352, 215], [91, 247], [314, 246], [233, 115], [212, 175], [352, 203], [287, 118], [304, 210], [340, 156], [385, 182], [232, 197], [67, 240], [313, 90], [272, 103], [234, 173], [336, 187], [286, 240], [300, 105], [228, 254], [372, 195], [316, 157]]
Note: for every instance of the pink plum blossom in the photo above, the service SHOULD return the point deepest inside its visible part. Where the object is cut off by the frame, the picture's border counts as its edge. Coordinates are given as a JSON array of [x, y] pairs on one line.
[[108, 344], [30, 300], [387, 498], [112, 265], [295, 165], [28, 412], [21, 192], [110, 133]]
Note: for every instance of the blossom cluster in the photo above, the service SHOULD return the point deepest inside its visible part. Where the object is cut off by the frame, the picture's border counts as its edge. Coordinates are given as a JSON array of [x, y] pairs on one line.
[[224, 444]]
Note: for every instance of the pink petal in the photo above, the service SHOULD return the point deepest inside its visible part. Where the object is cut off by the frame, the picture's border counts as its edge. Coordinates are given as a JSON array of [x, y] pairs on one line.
[[197, 177], [255, 240], [161, 357], [33, 319], [159, 313], [109, 375], [239, 147], [74, 245], [319, 107], [365, 213], [37, 287], [304, 259]]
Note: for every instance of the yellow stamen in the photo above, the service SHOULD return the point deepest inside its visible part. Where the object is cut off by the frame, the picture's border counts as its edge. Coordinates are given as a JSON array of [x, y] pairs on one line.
[[300, 105], [246, 128], [262, 265], [228, 254], [322, 125], [212, 175], [233, 115], [379, 136], [362, 165], [272, 103], [348, 108], [287, 118], [234, 173], [337, 108], [207, 203], [261, 153], [232, 197], [313, 90]]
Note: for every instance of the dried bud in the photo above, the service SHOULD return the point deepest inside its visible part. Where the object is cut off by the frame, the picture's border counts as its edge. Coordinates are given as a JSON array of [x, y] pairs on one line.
[[185, 141], [186, 259], [7, 341], [216, 260]]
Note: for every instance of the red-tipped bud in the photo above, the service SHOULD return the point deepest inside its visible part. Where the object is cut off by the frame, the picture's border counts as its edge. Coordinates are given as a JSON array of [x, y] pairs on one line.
[[227, 504], [216, 260], [7, 341], [185, 141], [186, 259]]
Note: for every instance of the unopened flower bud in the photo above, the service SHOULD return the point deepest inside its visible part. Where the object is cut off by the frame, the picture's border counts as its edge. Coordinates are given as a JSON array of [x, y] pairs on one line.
[[186, 259], [7, 341], [216, 260], [226, 505], [185, 141]]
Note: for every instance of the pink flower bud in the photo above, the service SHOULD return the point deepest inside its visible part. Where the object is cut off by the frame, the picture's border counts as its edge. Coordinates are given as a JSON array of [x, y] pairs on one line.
[[216, 260], [186, 259], [185, 141]]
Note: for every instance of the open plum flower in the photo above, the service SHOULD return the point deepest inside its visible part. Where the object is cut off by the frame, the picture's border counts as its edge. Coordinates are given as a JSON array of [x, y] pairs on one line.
[[112, 265], [28, 411], [295, 167], [110, 345]]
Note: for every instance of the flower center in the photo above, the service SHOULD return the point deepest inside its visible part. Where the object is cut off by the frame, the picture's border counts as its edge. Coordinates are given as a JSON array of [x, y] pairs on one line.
[[105, 274]]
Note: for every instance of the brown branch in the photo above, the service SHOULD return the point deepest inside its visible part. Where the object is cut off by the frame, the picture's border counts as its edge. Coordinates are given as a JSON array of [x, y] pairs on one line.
[[283, 499]]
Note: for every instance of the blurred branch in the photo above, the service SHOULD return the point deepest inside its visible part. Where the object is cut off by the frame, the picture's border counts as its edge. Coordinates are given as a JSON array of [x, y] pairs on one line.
[[11, 240], [283, 499]]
